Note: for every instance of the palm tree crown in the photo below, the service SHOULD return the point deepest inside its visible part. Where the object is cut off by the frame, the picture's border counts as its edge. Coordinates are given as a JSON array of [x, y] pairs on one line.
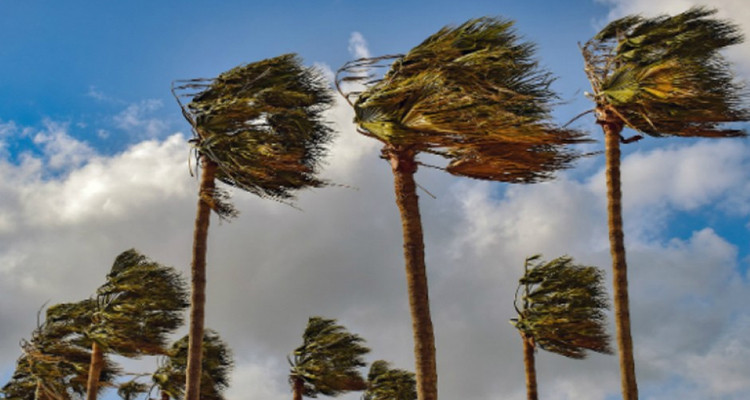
[[472, 94], [665, 76], [386, 383], [328, 360], [562, 307], [262, 124]]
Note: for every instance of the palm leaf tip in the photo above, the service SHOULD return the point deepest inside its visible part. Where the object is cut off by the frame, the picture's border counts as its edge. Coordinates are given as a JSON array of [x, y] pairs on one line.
[[666, 75], [263, 124], [463, 94]]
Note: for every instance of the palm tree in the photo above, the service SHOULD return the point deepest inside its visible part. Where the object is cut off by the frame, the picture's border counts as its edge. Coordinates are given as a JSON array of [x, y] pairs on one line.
[[55, 361], [133, 312], [562, 310], [328, 360], [473, 95], [257, 127], [215, 371], [386, 383], [660, 76]]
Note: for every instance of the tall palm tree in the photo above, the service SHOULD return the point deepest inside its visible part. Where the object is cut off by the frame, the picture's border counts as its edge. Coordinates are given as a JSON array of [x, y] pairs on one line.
[[660, 76], [328, 360], [561, 310], [386, 383], [257, 127], [215, 371], [134, 312], [473, 95]]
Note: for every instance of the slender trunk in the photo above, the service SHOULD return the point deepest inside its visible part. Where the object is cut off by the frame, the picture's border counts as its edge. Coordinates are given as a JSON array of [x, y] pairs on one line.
[[298, 388], [95, 371], [528, 362], [198, 272], [404, 166], [612, 128]]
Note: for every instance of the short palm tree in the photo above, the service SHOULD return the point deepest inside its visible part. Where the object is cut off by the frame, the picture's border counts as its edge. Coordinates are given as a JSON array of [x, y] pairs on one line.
[[474, 96], [131, 389], [217, 366], [328, 361], [561, 310], [386, 383], [257, 127], [55, 361], [134, 312], [660, 76]]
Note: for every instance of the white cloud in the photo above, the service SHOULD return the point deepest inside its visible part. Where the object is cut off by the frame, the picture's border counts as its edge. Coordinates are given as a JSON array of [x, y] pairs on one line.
[[358, 46], [62, 151], [139, 120]]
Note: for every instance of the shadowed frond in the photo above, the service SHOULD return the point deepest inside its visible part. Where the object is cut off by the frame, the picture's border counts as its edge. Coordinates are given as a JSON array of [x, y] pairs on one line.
[[562, 307], [665, 75], [329, 359], [262, 124], [386, 383], [470, 94]]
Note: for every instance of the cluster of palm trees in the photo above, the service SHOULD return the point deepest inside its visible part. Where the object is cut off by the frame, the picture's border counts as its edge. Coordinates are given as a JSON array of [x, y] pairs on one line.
[[473, 96], [131, 315]]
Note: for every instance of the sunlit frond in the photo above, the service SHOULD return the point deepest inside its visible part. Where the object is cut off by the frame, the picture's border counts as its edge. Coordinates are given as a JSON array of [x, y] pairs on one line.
[[666, 76]]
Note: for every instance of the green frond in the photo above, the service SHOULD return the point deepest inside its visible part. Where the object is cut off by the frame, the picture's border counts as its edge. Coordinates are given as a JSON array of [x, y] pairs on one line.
[[563, 307], [386, 383], [666, 76], [262, 124], [464, 94], [329, 359]]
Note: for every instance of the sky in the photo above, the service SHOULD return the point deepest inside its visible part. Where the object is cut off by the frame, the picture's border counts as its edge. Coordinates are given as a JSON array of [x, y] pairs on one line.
[[94, 161]]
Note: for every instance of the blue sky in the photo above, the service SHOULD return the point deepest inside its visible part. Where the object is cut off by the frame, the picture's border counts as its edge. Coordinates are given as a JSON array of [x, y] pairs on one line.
[[94, 155]]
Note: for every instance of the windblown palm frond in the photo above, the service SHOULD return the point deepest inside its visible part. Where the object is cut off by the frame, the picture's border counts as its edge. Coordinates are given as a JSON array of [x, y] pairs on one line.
[[470, 94], [262, 124], [386, 383], [665, 75], [217, 366], [562, 307], [328, 361]]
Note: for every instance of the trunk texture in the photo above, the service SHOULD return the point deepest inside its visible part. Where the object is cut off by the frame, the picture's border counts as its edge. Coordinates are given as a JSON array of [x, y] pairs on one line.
[[298, 388], [198, 272], [404, 167], [528, 362], [612, 129], [95, 371]]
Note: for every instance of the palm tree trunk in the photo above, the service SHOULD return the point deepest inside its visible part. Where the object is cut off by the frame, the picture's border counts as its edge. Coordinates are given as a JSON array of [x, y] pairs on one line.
[[528, 362], [612, 128], [298, 388], [95, 371], [198, 272], [404, 166]]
